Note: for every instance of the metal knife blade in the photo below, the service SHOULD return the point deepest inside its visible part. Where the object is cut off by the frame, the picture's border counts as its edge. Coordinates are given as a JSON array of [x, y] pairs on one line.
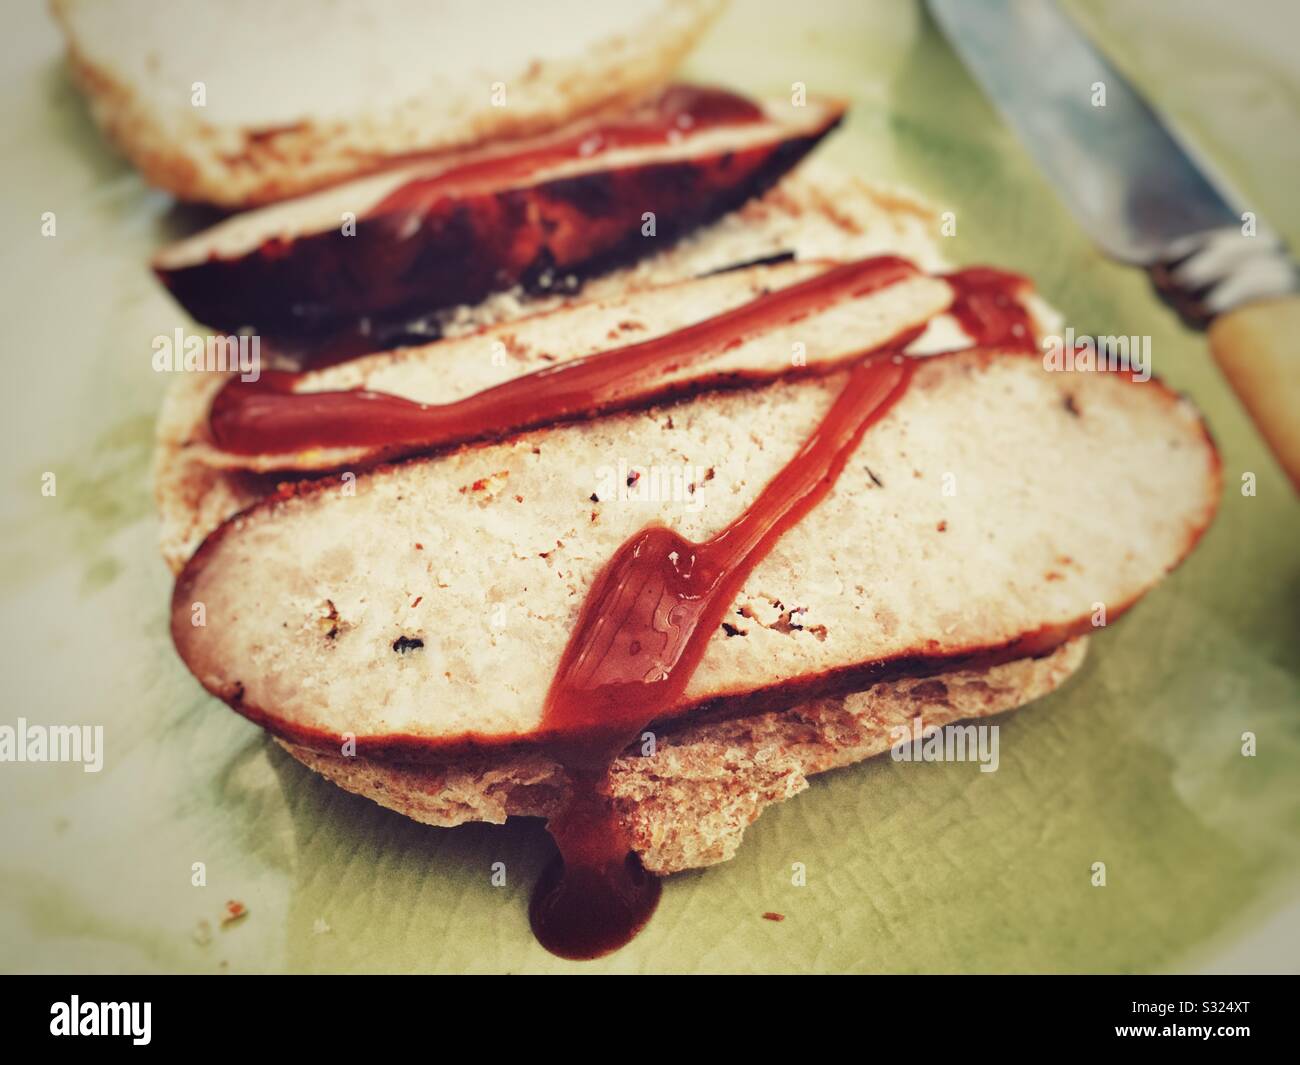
[[1125, 178]]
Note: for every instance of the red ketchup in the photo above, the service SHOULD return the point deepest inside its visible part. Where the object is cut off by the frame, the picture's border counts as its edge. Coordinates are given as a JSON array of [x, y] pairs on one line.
[[987, 305], [680, 112], [268, 416]]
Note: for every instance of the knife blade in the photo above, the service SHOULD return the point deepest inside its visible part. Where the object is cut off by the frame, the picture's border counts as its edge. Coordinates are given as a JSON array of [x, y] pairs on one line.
[[1141, 196], [1125, 178]]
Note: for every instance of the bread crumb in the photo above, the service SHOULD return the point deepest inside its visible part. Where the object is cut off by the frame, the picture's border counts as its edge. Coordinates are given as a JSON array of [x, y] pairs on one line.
[[493, 481], [328, 619]]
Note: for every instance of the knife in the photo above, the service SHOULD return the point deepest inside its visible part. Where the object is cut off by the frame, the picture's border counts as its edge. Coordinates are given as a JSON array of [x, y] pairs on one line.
[[1139, 195]]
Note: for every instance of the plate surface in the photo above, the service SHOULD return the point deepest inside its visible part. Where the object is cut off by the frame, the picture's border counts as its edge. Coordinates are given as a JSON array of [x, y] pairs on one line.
[[1137, 762]]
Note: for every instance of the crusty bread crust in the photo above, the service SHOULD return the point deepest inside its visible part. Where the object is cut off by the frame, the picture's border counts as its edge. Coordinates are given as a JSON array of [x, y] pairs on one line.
[[688, 803], [243, 164]]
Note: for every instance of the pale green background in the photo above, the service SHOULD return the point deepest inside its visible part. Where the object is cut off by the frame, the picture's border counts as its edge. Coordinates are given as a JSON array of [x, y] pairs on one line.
[[1135, 763]]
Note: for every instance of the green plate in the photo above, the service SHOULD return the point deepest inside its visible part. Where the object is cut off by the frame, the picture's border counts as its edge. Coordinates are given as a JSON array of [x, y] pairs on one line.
[[1137, 762]]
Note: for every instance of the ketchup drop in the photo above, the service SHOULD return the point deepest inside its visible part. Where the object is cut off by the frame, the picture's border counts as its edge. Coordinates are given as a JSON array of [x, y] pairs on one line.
[[593, 896]]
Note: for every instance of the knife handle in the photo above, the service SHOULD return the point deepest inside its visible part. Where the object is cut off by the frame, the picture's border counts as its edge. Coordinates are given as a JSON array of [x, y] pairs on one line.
[[1257, 347], [1241, 287]]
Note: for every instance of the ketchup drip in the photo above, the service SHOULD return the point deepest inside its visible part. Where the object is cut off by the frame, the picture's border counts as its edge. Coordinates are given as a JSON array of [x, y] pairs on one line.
[[681, 111], [987, 306], [269, 417], [640, 636]]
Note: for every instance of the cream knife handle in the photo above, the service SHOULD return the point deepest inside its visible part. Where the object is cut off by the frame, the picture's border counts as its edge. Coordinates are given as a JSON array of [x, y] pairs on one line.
[[1258, 349], [1245, 285]]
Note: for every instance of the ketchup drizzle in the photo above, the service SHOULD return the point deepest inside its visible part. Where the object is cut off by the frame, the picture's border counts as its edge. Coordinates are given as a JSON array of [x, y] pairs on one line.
[[679, 112], [641, 634], [268, 416]]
